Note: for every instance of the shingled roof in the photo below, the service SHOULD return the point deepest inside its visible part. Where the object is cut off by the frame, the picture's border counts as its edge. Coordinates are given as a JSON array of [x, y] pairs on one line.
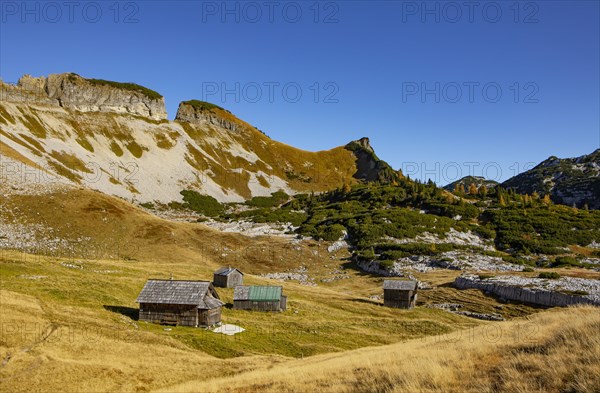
[[178, 292], [403, 285], [225, 271]]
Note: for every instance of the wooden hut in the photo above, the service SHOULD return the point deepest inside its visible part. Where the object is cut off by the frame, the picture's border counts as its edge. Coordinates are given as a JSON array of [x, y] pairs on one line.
[[180, 302], [399, 293], [259, 298], [228, 277]]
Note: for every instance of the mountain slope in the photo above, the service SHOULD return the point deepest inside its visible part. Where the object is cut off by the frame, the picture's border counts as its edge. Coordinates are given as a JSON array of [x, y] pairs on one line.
[[468, 180], [569, 181], [114, 137]]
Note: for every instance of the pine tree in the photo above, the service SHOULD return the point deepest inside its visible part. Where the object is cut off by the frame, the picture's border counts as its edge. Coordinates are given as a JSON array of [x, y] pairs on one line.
[[461, 188]]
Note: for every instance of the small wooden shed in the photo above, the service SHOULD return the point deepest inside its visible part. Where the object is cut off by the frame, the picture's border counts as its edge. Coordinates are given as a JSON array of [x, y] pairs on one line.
[[180, 302], [259, 298], [400, 293], [228, 277]]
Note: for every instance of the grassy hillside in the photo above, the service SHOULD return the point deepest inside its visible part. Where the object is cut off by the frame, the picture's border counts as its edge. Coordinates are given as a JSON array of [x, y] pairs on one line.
[[556, 351]]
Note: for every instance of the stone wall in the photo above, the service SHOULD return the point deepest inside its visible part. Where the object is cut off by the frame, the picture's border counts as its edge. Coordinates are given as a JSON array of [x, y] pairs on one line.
[[522, 294]]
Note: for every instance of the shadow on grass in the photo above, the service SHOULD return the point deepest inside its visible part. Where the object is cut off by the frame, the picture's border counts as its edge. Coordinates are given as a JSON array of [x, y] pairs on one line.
[[367, 301], [129, 312], [352, 265]]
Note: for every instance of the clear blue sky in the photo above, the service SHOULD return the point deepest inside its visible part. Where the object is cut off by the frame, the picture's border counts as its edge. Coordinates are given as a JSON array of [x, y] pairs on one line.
[[364, 62]]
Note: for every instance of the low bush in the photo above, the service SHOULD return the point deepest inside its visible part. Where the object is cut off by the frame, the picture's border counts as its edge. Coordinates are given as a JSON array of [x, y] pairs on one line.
[[203, 204]]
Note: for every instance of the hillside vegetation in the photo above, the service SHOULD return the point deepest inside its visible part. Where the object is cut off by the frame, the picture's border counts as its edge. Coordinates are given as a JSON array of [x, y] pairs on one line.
[[520, 227]]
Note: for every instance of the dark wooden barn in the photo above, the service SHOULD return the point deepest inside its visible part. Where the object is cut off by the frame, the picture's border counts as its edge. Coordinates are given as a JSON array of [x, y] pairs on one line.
[[180, 302], [259, 298], [399, 293], [228, 277]]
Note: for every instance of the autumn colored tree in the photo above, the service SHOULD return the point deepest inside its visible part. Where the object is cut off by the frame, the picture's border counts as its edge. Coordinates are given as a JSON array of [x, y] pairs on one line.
[[501, 201], [473, 189], [483, 190], [546, 200]]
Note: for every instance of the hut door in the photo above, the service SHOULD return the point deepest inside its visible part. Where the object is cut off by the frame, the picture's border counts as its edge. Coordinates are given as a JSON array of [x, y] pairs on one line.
[[202, 317]]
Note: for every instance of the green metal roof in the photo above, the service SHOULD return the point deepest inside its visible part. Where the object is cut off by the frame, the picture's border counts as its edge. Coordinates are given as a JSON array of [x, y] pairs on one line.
[[264, 294]]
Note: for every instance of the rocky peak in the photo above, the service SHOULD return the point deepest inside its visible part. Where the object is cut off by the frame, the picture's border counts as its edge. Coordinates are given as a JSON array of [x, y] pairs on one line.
[[87, 95], [365, 144], [205, 113], [368, 166]]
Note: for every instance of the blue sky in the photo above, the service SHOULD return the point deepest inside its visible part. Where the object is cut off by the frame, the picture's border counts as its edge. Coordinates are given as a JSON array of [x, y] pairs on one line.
[[506, 84]]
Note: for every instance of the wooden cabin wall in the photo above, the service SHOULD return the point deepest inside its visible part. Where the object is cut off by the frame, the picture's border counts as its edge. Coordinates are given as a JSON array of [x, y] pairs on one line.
[[185, 315], [235, 279], [256, 306]]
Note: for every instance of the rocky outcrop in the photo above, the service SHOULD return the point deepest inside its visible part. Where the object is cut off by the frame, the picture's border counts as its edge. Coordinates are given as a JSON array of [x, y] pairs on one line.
[[538, 291], [204, 113], [569, 181], [368, 166], [28, 90], [86, 95]]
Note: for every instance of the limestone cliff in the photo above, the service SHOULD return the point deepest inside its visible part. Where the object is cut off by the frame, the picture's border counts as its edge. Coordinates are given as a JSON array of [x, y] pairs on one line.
[[204, 113], [86, 95]]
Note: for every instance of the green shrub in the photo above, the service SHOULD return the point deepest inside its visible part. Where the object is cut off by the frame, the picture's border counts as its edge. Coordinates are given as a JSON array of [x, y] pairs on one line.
[[565, 261], [203, 204], [333, 232], [276, 199], [127, 86], [202, 105], [386, 264], [528, 269]]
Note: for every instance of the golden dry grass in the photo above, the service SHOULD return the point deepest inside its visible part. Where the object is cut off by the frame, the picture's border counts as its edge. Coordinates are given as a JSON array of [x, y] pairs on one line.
[[554, 351]]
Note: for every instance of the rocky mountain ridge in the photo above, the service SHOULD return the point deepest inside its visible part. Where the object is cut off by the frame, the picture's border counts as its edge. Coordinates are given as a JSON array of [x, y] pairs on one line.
[[569, 181], [86, 95], [115, 138]]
